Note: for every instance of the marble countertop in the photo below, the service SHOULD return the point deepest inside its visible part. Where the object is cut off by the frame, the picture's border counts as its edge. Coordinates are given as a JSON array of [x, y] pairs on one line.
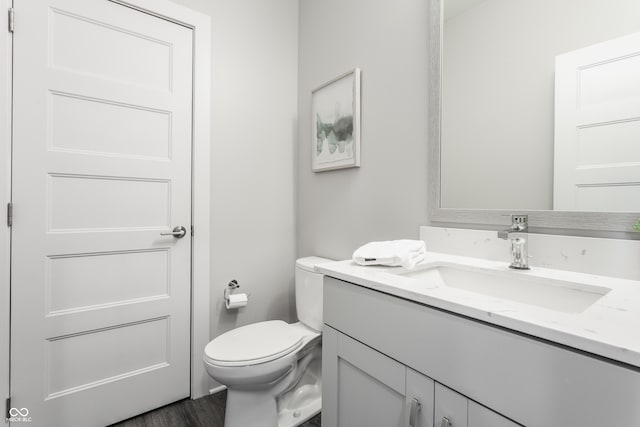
[[610, 327]]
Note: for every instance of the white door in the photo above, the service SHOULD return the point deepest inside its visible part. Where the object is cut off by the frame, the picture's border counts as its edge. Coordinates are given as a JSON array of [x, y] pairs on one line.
[[597, 128], [101, 157]]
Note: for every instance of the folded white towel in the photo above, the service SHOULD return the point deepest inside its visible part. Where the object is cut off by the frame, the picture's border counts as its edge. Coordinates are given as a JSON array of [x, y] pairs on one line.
[[406, 253]]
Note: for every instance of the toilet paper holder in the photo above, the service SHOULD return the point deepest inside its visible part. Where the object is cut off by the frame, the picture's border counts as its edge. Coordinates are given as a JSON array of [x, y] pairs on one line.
[[231, 287]]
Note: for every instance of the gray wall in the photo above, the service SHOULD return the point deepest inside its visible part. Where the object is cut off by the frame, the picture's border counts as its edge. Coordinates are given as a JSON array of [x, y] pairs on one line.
[[498, 94], [386, 198], [254, 108]]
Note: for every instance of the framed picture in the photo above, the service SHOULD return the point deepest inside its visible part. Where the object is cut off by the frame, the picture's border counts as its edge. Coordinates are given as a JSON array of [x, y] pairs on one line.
[[335, 123]]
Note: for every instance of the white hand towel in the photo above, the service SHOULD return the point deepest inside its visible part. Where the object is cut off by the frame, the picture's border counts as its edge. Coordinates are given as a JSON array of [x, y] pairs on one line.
[[406, 253]]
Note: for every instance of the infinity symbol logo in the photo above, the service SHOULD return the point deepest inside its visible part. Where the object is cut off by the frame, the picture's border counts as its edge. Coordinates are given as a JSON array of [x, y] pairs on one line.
[[14, 412]]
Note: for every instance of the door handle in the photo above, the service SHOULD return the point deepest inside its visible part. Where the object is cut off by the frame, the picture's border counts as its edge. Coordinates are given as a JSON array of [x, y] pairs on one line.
[[413, 413], [179, 232], [445, 422]]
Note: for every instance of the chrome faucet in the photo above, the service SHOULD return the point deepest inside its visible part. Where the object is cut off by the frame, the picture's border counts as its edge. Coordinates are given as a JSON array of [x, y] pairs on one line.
[[519, 244]]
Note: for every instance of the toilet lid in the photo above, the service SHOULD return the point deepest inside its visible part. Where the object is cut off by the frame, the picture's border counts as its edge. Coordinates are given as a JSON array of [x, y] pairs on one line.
[[252, 344]]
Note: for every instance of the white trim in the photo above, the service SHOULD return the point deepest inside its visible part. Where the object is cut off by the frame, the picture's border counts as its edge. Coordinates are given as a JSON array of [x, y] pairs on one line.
[[218, 389], [201, 164], [5, 197]]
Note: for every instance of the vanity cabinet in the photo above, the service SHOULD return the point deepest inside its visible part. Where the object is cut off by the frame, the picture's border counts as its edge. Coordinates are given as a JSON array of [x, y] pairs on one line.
[[380, 352]]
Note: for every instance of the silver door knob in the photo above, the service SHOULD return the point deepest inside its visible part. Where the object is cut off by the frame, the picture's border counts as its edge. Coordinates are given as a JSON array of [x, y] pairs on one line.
[[179, 232]]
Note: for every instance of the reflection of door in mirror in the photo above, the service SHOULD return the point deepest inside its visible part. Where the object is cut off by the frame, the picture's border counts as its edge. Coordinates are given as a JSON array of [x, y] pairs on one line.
[[597, 127], [497, 121]]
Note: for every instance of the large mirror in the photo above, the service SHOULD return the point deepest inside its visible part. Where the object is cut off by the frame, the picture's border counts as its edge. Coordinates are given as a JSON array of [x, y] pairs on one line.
[[537, 110]]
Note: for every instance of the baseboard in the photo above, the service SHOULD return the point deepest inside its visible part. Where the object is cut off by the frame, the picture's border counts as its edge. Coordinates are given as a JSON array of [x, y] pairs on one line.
[[218, 389]]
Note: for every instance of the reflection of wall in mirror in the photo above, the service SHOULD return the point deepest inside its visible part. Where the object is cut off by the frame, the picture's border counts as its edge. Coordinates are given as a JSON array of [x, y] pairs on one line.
[[498, 94]]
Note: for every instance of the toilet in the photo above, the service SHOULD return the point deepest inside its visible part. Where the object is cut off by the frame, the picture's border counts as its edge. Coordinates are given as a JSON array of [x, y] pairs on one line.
[[272, 369]]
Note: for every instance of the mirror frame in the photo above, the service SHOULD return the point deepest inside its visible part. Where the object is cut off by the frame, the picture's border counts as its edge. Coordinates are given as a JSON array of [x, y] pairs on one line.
[[538, 219]]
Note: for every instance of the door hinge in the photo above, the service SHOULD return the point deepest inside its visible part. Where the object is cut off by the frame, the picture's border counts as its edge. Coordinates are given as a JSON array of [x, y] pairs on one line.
[[9, 214], [192, 231], [7, 412], [12, 20]]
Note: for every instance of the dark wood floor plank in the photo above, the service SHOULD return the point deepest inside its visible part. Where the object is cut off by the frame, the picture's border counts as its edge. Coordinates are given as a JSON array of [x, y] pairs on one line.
[[313, 422], [132, 422], [168, 416], [207, 411]]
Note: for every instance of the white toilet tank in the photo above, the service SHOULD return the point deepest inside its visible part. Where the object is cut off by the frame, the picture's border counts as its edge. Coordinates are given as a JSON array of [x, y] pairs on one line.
[[309, 291]]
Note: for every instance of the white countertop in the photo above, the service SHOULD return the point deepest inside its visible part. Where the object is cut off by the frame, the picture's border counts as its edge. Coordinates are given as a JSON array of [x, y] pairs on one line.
[[609, 328]]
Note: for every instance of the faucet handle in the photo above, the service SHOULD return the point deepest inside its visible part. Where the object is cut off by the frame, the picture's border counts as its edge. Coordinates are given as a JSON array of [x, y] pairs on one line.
[[520, 222]]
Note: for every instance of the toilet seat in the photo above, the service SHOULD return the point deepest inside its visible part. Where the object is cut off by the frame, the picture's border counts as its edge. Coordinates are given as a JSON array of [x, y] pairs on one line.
[[254, 344]]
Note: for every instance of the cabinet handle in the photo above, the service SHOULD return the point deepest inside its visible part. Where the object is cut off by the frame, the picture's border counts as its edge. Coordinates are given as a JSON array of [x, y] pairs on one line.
[[413, 414], [445, 422]]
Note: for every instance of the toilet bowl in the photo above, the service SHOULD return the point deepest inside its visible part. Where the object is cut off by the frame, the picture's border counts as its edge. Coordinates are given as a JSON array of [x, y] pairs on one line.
[[272, 369]]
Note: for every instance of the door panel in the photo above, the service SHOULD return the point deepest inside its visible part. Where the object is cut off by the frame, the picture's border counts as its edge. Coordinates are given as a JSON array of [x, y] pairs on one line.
[[83, 360], [83, 125], [126, 54], [80, 281], [597, 126], [102, 158]]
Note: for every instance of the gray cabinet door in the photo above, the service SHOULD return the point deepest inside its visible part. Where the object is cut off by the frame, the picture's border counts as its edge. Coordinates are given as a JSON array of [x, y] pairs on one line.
[[479, 416], [363, 387], [370, 386], [450, 408], [419, 400]]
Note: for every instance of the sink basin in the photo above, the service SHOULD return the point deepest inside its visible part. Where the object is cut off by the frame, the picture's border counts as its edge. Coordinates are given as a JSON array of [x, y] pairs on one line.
[[557, 295]]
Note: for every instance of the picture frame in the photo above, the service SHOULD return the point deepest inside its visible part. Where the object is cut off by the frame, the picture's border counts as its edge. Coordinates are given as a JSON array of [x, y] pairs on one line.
[[335, 123]]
